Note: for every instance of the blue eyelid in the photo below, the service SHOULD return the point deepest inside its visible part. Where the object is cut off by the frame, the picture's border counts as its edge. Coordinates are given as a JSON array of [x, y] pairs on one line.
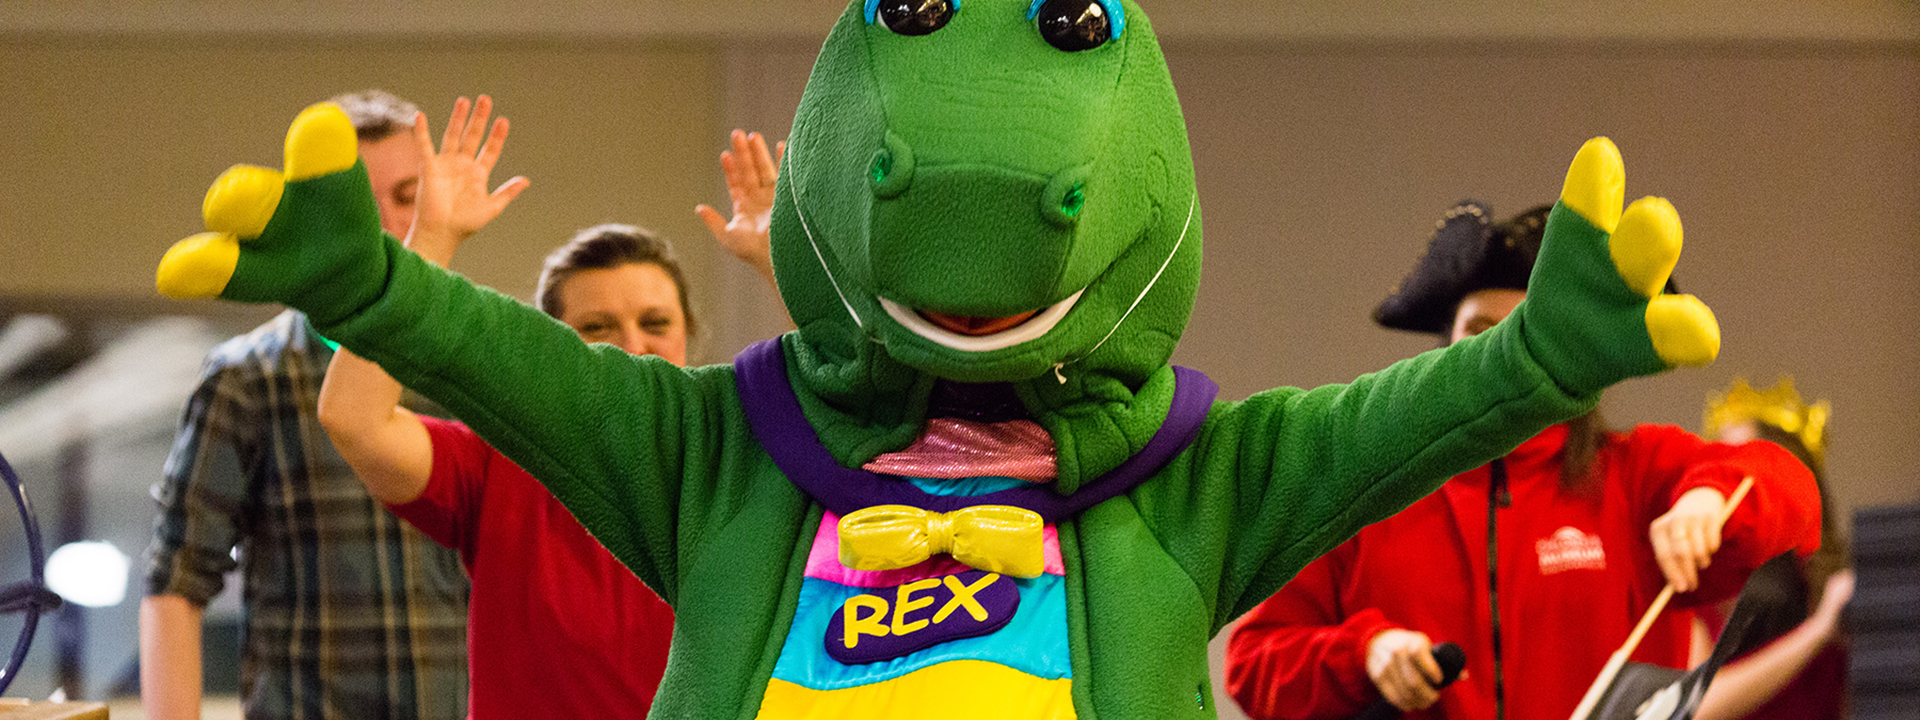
[[873, 10], [1113, 8]]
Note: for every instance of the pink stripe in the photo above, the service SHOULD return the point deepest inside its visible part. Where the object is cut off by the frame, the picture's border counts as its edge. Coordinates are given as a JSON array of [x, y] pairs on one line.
[[823, 563]]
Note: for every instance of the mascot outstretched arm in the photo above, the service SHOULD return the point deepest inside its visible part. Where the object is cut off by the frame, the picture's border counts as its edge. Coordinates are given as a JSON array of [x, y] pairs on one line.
[[969, 484]]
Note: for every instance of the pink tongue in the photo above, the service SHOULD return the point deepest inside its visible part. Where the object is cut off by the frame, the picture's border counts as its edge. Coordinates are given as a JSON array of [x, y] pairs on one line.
[[976, 326]]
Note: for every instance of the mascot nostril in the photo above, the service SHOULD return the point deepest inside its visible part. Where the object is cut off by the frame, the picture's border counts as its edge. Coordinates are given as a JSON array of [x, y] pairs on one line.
[[1065, 197], [890, 172]]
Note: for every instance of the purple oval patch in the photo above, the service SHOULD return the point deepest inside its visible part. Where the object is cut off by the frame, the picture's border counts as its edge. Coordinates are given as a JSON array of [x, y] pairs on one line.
[[919, 615]]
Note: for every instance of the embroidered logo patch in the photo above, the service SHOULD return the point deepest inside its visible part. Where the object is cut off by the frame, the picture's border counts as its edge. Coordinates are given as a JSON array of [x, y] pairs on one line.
[[1570, 549], [919, 615]]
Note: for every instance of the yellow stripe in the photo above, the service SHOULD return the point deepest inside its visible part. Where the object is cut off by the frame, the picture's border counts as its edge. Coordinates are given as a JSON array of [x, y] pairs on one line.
[[961, 689]]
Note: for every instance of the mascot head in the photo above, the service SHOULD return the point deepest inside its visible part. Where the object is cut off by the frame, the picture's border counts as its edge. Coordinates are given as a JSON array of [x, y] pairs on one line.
[[991, 190]]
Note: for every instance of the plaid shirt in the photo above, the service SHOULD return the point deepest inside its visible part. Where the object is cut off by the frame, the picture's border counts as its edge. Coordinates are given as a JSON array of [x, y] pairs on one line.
[[349, 612]]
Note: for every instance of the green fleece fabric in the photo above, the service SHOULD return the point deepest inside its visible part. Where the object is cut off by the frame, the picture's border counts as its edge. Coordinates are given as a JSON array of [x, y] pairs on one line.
[[925, 170], [658, 463], [992, 149]]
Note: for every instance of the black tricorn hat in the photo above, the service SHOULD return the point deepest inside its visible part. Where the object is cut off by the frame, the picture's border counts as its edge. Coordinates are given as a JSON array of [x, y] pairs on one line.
[[1468, 252]]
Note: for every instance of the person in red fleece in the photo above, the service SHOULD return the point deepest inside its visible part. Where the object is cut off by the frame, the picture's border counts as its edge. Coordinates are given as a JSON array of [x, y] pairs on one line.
[[1584, 527], [558, 628]]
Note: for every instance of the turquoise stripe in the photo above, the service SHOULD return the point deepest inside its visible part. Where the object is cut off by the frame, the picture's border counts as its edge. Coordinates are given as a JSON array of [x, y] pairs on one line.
[[1034, 642], [966, 487]]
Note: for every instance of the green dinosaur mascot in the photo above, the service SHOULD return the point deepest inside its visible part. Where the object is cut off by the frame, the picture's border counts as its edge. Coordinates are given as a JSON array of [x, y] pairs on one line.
[[988, 236]]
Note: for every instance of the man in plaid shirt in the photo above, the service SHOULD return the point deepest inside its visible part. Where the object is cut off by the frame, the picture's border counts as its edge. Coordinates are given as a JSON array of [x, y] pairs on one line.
[[350, 613]]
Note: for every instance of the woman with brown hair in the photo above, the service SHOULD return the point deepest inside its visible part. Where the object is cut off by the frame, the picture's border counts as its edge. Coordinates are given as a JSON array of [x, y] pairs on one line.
[[557, 628]]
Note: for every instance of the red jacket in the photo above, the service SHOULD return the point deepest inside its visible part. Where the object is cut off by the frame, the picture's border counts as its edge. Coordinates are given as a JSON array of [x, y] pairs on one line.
[[1575, 573]]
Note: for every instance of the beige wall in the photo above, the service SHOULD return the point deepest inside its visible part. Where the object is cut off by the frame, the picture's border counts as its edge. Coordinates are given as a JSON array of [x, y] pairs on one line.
[[1322, 166], [1825, 21], [110, 144]]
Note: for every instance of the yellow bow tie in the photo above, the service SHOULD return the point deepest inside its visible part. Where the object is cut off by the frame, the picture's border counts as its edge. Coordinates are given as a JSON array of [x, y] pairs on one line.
[[994, 538]]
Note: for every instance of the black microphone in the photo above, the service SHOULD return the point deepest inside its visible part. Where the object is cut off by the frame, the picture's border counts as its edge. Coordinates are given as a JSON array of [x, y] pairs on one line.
[[1451, 659]]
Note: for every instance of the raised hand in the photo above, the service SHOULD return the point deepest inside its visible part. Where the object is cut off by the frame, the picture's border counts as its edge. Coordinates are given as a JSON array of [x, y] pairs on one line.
[[1595, 312], [751, 174], [309, 237], [453, 201], [1833, 602]]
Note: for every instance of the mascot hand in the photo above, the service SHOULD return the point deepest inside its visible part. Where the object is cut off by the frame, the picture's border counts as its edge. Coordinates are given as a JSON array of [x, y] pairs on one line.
[[1596, 312], [309, 237]]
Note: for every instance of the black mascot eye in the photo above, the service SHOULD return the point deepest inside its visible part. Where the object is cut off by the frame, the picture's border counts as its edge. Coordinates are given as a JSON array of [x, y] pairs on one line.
[[1074, 25], [915, 17]]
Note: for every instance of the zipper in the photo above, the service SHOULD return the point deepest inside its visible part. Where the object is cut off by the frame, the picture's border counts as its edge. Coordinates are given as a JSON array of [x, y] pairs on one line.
[[1498, 496]]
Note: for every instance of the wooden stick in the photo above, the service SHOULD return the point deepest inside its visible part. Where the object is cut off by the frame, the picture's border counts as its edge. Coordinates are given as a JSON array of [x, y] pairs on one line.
[[1619, 658]]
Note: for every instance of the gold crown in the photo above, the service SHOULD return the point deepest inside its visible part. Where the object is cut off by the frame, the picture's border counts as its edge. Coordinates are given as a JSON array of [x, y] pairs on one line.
[[1779, 406]]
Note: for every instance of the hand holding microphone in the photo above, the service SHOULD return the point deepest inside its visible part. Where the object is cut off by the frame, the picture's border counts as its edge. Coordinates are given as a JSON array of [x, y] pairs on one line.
[[1409, 671]]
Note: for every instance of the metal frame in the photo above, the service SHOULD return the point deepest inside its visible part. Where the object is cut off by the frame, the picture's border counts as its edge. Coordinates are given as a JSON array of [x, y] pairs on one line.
[[37, 597]]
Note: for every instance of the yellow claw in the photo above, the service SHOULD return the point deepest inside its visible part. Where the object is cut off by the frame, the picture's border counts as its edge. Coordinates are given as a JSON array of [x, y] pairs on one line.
[[1596, 184], [1683, 329], [243, 200], [320, 142], [1646, 245], [199, 266]]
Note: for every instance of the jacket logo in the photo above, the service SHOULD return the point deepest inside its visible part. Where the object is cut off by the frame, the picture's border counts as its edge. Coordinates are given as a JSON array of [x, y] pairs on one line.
[[1570, 549], [919, 615]]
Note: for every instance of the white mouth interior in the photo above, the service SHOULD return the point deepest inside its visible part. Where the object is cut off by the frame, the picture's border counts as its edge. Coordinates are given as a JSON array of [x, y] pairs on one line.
[[1032, 329]]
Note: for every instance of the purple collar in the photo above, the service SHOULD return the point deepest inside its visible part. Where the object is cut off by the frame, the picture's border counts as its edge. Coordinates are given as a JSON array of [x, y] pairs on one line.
[[773, 412]]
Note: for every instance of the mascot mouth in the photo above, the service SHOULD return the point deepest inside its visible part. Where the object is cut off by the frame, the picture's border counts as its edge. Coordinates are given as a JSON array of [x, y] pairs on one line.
[[978, 334], [976, 326]]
